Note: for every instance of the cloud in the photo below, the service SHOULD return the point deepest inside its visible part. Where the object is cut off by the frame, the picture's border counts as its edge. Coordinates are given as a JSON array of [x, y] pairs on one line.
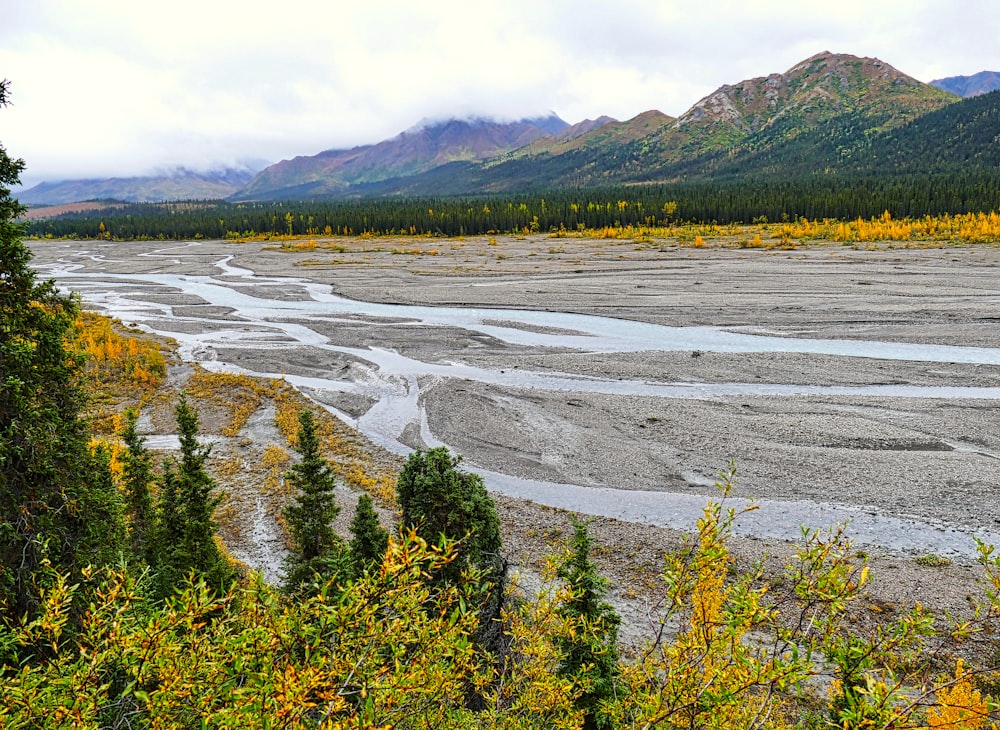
[[115, 87]]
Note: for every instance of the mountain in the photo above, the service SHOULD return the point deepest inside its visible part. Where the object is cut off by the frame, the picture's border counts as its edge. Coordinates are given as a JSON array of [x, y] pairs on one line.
[[980, 83], [589, 133], [826, 114], [180, 184], [814, 115], [762, 112], [959, 138], [823, 108], [427, 146]]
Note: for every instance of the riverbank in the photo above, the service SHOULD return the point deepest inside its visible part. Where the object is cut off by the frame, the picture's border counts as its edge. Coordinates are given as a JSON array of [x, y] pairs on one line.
[[931, 459]]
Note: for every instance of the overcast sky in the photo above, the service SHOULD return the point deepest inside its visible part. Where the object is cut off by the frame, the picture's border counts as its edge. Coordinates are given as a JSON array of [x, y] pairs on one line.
[[124, 87]]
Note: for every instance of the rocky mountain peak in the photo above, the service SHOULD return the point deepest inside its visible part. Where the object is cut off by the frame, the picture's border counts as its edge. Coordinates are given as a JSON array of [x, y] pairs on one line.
[[821, 86]]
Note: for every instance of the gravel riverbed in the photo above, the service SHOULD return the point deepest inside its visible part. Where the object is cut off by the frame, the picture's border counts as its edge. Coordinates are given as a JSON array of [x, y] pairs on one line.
[[926, 458]]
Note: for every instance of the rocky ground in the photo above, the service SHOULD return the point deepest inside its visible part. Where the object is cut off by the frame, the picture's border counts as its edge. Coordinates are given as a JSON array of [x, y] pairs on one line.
[[928, 458]]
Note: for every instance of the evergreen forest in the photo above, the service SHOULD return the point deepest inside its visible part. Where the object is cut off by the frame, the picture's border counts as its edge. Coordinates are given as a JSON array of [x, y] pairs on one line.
[[908, 196]]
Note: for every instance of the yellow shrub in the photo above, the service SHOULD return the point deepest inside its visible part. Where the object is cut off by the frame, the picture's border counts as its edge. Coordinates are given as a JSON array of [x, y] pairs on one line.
[[959, 706], [117, 357]]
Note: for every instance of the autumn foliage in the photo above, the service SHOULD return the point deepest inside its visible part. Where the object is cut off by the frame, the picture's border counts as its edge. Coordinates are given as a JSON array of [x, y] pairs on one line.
[[394, 648], [114, 355], [397, 643]]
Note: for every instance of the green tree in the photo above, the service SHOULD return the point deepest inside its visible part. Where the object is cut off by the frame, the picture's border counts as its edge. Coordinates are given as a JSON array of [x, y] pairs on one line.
[[106, 506], [53, 509], [185, 535], [167, 533], [137, 477], [438, 499], [317, 550], [368, 538], [590, 654], [441, 502]]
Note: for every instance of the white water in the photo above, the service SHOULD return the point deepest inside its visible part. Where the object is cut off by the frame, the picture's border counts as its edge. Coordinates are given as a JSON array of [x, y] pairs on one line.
[[393, 381]]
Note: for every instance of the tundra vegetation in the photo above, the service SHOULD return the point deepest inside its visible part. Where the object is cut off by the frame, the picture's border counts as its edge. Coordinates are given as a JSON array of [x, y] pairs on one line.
[[120, 607]]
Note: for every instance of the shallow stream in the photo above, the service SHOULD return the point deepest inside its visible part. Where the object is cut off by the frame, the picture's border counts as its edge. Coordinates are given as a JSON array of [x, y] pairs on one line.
[[238, 310]]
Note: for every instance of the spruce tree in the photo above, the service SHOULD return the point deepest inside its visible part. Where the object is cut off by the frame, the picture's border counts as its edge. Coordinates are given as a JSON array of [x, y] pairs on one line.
[[317, 551], [590, 653], [167, 535], [185, 535], [106, 539], [369, 539], [439, 500], [54, 502], [137, 477]]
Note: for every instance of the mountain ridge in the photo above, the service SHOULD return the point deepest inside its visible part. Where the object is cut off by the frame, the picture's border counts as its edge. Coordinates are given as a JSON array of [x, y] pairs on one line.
[[764, 111], [966, 86], [411, 152], [178, 184], [829, 101]]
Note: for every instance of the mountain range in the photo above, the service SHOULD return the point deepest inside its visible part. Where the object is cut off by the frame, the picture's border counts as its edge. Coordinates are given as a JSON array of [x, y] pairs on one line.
[[831, 113], [177, 184], [427, 146], [981, 83]]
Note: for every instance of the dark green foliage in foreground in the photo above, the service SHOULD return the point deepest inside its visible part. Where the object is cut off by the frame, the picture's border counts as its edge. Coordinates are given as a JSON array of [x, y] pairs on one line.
[[442, 502], [317, 550], [57, 504], [104, 542], [184, 542], [369, 539], [590, 656], [137, 479]]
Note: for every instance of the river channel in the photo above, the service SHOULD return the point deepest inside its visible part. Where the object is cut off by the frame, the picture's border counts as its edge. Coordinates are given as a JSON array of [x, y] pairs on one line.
[[522, 395]]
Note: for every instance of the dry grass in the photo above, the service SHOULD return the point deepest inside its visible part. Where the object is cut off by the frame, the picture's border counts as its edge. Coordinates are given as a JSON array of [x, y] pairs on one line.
[[246, 467]]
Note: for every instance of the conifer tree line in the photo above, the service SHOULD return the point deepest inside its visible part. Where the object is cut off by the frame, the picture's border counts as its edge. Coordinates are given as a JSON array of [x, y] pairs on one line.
[[730, 199]]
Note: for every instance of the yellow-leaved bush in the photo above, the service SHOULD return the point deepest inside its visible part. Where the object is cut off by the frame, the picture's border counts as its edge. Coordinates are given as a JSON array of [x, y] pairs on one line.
[[396, 649], [389, 650]]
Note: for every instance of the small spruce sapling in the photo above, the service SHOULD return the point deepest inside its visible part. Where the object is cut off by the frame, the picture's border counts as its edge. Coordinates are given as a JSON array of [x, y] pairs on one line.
[[317, 551], [590, 654], [368, 538]]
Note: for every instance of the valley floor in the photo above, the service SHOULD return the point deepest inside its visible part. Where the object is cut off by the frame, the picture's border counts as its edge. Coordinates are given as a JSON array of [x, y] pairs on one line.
[[926, 457]]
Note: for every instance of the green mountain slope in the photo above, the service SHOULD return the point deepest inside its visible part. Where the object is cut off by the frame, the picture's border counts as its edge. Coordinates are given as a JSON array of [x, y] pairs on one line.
[[818, 114], [767, 112], [963, 137]]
